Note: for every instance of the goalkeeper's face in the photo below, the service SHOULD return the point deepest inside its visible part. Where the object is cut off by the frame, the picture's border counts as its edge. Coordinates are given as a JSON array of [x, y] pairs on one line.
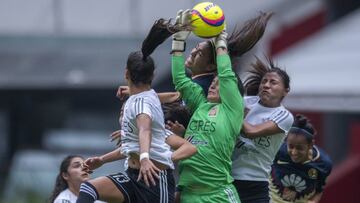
[[199, 60], [213, 92]]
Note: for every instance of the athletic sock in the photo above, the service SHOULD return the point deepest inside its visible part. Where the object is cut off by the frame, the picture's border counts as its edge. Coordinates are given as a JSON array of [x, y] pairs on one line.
[[88, 193]]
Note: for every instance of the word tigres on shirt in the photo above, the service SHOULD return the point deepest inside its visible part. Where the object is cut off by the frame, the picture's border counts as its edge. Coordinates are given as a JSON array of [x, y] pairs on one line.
[[200, 125]]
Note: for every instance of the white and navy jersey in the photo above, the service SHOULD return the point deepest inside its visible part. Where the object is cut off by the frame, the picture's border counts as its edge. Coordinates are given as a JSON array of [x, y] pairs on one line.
[[252, 158], [298, 182], [67, 196], [148, 103]]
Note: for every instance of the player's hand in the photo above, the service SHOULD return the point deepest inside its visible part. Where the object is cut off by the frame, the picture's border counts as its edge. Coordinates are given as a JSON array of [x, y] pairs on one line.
[[148, 171], [116, 135], [92, 163], [122, 92], [221, 40], [86, 169], [176, 128], [183, 18]]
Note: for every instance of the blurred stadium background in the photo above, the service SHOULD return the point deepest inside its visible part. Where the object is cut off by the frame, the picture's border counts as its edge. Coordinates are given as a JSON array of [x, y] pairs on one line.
[[62, 60]]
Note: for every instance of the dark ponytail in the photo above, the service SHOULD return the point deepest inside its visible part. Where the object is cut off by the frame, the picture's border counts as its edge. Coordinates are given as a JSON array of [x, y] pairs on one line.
[[140, 64], [159, 32]]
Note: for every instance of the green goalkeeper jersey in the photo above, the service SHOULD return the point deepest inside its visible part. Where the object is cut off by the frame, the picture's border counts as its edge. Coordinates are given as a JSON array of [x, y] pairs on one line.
[[213, 128]]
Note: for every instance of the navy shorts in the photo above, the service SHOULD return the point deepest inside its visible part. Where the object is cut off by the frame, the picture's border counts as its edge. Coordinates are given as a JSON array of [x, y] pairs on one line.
[[252, 191], [137, 192]]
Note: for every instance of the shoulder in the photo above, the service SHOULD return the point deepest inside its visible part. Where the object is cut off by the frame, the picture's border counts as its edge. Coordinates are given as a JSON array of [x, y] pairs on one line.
[[63, 197], [281, 113], [324, 161], [146, 98], [283, 118]]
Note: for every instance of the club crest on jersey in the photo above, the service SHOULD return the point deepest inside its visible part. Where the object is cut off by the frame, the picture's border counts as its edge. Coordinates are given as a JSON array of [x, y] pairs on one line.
[[213, 111], [313, 173]]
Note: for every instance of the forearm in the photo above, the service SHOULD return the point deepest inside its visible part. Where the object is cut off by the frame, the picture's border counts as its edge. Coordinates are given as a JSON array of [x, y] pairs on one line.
[[144, 141], [221, 51], [178, 69], [184, 151], [168, 97], [261, 130], [112, 156]]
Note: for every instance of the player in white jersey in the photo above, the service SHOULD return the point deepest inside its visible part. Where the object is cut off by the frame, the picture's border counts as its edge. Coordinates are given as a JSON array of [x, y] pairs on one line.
[[67, 185], [182, 149], [149, 175], [266, 124]]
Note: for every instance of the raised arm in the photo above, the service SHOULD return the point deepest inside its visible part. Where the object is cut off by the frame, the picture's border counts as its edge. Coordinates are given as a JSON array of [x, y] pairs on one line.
[[228, 83], [191, 93]]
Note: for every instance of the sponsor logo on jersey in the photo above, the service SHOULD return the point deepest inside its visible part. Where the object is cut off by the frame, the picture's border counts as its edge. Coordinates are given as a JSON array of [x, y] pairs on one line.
[[213, 111], [313, 173], [195, 141]]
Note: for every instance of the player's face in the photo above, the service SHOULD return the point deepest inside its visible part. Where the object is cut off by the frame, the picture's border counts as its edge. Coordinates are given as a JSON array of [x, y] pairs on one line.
[[298, 148], [199, 59], [272, 89], [213, 93], [75, 175]]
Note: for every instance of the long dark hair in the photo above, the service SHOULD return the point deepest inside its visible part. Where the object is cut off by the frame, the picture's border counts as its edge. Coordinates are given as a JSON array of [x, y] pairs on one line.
[[175, 111], [140, 64], [258, 71], [60, 183], [244, 37]]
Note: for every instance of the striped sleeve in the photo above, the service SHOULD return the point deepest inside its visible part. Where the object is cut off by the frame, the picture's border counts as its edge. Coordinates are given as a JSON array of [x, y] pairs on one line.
[[283, 119], [142, 107]]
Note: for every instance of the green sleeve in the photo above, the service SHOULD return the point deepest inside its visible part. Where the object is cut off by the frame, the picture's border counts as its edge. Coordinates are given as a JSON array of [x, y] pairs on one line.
[[191, 93], [228, 88]]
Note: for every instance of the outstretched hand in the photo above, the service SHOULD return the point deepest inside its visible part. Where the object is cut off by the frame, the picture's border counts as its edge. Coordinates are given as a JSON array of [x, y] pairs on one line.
[[183, 19], [91, 164], [148, 171]]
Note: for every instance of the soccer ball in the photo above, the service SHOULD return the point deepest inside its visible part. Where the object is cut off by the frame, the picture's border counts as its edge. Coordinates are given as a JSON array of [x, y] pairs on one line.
[[207, 20]]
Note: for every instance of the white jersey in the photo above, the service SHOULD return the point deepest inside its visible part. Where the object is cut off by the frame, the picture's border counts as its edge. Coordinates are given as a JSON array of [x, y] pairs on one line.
[[148, 103], [252, 158], [168, 133], [67, 196]]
